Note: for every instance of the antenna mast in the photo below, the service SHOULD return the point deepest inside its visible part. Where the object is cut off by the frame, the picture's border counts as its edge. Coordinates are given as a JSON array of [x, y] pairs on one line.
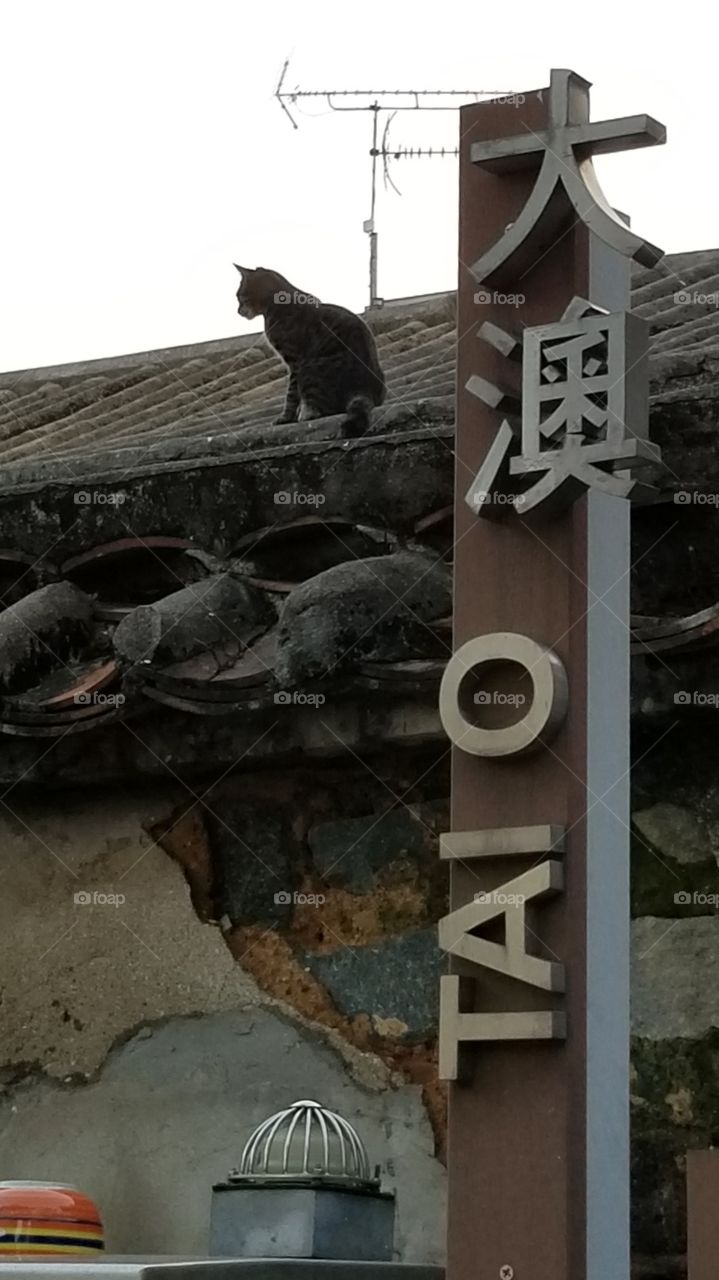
[[379, 100]]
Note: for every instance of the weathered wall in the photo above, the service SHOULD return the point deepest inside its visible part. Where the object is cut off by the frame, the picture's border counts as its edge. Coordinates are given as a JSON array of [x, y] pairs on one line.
[[169, 1112], [138, 1049], [142, 1041], [675, 997]]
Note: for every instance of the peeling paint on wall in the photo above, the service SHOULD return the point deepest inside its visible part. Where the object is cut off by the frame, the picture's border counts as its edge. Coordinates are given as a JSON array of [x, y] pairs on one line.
[[140, 1046], [171, 1108]]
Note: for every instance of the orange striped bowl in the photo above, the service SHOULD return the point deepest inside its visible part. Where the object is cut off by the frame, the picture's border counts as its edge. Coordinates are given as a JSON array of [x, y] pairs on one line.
[[47, 1218]]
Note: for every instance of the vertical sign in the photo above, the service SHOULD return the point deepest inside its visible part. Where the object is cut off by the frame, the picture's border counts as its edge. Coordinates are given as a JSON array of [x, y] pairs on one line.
[[552, 415], [702, 1226]]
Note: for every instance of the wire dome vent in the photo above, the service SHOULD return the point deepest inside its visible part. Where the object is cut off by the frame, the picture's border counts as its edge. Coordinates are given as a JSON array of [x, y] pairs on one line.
[[305, 1142]]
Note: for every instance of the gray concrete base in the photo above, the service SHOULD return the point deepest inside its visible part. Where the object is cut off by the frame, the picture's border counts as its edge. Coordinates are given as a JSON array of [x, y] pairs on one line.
[[301, 1222]]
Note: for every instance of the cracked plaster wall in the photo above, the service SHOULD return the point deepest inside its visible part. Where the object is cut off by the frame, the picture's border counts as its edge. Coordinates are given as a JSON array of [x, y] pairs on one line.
[[138, 1053], [140, 1045]]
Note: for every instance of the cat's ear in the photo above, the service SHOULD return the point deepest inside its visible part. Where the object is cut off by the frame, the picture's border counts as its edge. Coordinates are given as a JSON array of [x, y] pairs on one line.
[[242, 270]]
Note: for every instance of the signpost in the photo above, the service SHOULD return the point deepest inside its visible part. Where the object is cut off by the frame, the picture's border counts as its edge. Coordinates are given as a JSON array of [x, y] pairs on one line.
[[552, 416]]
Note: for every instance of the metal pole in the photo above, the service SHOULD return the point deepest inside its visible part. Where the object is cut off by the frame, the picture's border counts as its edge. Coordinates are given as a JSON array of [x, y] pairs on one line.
[[375, 108]]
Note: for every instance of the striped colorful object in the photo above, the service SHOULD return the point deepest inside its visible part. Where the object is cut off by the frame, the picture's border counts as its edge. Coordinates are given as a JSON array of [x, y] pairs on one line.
[[47, 1218]]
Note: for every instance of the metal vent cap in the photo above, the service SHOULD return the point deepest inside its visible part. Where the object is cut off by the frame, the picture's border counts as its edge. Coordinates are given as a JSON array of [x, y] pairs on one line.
[[305, 1142]]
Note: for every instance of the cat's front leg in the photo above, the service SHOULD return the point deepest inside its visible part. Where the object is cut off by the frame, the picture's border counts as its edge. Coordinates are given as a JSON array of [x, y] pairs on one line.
[[292, 401]]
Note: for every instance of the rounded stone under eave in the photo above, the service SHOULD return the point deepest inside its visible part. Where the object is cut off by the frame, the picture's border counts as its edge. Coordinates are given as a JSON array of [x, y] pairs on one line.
[[380, 608]]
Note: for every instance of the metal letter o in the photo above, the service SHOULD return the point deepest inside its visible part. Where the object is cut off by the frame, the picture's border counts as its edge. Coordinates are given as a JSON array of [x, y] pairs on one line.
[[547, 708]]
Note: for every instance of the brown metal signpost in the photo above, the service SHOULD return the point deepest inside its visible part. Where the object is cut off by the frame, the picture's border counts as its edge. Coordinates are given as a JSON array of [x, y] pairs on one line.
[[551, 424], [702, 1226]]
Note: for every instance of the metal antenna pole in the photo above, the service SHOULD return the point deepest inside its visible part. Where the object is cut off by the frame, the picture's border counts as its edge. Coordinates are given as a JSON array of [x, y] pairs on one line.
[[415, 100], [369, 225]]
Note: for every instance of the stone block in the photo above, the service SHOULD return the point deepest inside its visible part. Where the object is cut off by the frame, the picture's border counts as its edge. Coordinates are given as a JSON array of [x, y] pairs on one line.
[[395, 982], [252, 853], [674, 963], [355, 853]]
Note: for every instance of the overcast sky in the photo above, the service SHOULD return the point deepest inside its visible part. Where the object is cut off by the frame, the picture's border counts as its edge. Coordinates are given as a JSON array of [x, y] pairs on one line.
[[143, 150]]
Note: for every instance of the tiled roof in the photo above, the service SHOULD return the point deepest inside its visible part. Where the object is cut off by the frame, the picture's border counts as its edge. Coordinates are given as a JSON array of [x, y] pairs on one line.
[[173, 402], [206, 590]]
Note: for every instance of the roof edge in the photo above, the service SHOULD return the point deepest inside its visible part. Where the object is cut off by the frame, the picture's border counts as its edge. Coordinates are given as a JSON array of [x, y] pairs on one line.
[[413, 305], [132, 360], [418, 304]]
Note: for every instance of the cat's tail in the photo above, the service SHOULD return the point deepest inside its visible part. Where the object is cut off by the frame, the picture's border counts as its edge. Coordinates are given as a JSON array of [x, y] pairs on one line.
[[359, 416]]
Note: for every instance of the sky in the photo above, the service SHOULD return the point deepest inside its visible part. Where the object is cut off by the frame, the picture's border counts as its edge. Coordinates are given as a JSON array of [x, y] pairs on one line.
[[144, 151]]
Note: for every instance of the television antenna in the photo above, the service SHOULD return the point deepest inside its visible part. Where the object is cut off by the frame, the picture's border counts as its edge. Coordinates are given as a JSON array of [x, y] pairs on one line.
[[377, 101]]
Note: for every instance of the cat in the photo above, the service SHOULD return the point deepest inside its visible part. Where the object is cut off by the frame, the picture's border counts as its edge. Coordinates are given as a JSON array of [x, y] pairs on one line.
[[330, 353]]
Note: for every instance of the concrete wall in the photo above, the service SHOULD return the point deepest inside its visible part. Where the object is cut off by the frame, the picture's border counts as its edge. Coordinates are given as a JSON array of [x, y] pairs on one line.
[[143, 1039], [170, 1110], [139, 1051]]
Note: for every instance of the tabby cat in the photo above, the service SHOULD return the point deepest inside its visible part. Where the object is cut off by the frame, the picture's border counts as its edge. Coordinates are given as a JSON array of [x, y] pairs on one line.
[[330, 352]]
